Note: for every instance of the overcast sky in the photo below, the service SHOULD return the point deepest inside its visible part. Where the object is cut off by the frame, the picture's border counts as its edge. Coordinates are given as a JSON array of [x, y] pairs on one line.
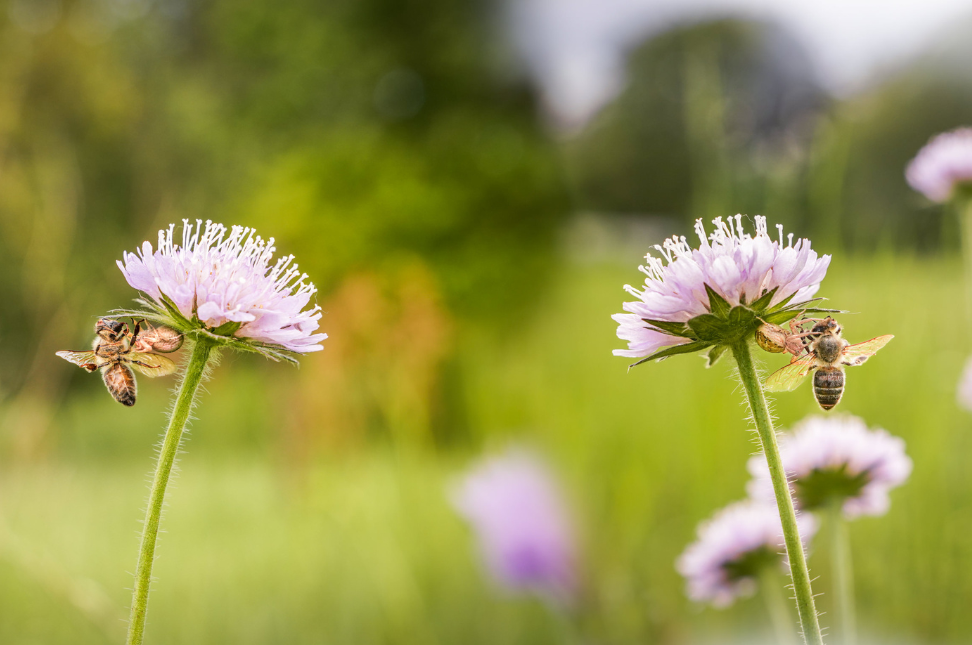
[[575, 47]]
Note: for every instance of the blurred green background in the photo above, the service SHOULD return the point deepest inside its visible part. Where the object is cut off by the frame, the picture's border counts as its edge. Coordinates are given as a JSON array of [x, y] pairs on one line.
[[469, 254]]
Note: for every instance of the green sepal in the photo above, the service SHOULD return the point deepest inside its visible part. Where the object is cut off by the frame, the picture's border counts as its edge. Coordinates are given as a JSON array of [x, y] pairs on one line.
[[715, 354], [764, 300], [782, 304], [717, 304], [686, 348], [741, 319], [780, 317], [710, 328], [228, 328], [671, 328]]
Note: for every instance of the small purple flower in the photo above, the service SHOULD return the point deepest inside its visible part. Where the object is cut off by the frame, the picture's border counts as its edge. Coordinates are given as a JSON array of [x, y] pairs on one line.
[[724, 563], [739, 267], [219, 279], [525, 532], [964, 393], [942, 165], [833, 458]]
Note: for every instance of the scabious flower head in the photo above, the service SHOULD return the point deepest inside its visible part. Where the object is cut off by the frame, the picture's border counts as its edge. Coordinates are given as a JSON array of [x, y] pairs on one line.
[[943, 165], [964, 392], [525, 532], [835, 458], [226, 282], [724, 563], [720, 291]]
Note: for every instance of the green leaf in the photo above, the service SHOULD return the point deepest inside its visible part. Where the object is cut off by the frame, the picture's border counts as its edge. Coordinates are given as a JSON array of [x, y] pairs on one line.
[[764, 300], [672, 328], [686, 348], [717, 304], [709, 327], [715, 354]]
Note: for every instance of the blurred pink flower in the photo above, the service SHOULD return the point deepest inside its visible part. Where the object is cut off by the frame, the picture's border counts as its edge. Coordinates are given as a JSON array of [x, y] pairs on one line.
[[944, 163], [964, 393], [836, 457], [229, 279], [525, 532], [725, 561], [738, 266]]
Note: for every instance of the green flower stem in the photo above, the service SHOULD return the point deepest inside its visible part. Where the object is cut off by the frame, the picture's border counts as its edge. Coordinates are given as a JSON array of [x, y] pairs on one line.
[[772, 593], [791, 534], [192, 377], [843, 573]]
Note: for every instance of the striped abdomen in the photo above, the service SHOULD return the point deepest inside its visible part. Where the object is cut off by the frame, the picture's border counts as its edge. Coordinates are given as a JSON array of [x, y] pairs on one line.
[[828, 386]]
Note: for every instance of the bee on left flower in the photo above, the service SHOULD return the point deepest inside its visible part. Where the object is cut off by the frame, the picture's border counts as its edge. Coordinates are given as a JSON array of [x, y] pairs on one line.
[[117, 350]]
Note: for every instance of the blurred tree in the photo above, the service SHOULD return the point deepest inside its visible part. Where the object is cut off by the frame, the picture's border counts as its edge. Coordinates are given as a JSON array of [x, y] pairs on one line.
[[710, 124], [359, 134]]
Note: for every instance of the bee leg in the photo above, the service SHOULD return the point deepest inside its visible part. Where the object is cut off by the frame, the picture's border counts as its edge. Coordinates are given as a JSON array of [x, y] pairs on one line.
[[138, 328]]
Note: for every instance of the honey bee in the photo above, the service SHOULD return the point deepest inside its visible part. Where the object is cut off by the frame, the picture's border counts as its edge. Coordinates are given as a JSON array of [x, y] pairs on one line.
[[827, 353], [775, 339], [117, 350]]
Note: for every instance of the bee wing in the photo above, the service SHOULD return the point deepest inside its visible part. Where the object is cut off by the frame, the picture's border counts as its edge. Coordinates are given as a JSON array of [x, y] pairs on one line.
[[788, 377], [85, 360], [857, 354], [151, 365]]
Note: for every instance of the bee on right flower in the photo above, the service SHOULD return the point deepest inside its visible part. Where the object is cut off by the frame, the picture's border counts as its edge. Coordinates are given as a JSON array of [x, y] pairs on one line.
[[827, 353]]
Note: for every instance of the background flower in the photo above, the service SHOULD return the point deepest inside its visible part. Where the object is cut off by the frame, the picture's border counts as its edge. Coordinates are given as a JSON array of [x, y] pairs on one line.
[[964, 391], [943, 164], [724, 562], [219, 279], [737, 266], [524, 529], [837, 456]]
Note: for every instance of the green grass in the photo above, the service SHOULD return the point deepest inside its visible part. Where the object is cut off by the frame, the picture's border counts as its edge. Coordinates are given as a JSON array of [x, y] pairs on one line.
[[362, 547]]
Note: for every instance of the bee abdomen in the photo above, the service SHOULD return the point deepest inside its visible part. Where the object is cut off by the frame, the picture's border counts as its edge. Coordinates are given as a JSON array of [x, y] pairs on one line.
[[828, 386]]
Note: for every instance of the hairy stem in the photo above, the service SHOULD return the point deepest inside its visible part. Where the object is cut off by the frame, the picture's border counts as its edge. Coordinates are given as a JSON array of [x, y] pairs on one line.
[[772, 593], [192, 377], [791, 534], [843, 574]]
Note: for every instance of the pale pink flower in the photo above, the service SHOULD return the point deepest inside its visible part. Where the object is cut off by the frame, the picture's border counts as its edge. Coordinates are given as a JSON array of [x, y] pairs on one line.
[[738, 266], [221, 278], [836, 458], [964, 393], [942, 165], [724, 563], [525, 532]]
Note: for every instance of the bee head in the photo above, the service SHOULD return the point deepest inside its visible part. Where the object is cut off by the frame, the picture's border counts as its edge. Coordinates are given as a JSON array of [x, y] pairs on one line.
[[827, 325], [109, 329]]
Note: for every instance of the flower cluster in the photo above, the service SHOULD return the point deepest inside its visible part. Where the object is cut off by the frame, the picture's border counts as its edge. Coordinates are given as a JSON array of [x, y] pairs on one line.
[[695, 298], [223, 281], [523, 525], [724, 563], [943, 165], [836, 460]]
